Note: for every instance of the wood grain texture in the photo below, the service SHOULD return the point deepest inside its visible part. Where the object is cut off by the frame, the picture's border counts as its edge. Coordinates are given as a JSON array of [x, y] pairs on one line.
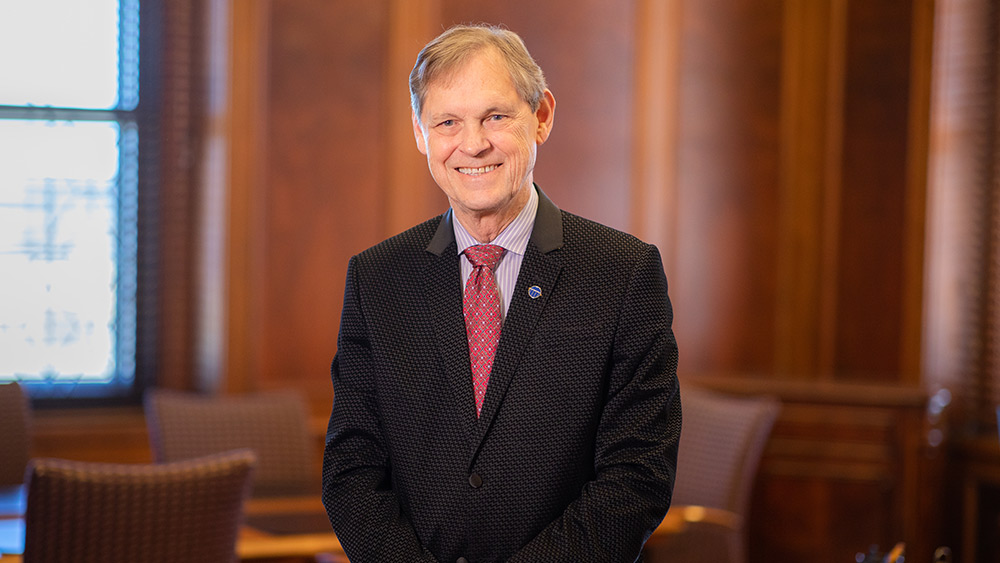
[[321, 199], [873, 201], [725, 283], [772, 148]]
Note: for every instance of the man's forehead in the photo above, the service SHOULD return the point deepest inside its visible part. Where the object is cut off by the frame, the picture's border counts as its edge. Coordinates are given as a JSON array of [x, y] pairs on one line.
[[498, 90], [487, 58]]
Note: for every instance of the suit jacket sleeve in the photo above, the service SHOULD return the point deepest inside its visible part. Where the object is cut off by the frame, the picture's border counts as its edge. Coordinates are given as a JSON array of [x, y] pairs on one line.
[[362, 508], [636, 441]]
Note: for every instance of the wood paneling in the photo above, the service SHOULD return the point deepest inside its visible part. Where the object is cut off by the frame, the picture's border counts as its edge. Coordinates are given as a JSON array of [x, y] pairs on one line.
[[772, 148], [410, 194], [847, 466], [325, 164], [117, 436], [790, 145], [725, 284], [655, 122], [811, 102], [873, 190]]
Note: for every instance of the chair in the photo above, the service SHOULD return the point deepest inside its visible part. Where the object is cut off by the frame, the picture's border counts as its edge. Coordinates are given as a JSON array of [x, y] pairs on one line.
[[274, 425], [722, 441], [89, 512], [15, 434]]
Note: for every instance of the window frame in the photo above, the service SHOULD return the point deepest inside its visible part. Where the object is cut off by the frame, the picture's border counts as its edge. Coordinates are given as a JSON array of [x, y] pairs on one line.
[[145, 117]]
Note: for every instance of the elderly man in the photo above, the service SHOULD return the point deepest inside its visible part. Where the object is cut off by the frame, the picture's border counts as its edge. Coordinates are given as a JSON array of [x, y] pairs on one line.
[[505, 379]]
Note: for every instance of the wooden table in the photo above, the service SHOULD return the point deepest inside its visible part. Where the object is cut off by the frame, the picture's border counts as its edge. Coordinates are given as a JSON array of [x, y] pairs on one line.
[[295, 529], [288, 530]]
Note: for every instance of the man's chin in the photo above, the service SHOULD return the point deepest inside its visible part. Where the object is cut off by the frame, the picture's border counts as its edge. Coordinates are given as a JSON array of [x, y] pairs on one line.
[[482, 199]]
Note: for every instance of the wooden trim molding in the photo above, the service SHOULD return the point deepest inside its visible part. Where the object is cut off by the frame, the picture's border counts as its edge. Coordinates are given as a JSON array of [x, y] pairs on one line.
[[230, 224], [412, 23], [918, 152], [811, 137], [805, 91], [109, 435], [248, 141], [814, 391], [654, 153]]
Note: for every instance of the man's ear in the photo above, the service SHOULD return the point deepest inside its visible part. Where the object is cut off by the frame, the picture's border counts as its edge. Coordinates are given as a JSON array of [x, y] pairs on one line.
[[546, 114], [418, 134]]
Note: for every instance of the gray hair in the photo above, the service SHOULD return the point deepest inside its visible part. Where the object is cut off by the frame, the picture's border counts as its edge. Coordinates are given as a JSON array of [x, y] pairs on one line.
[[453, 47]]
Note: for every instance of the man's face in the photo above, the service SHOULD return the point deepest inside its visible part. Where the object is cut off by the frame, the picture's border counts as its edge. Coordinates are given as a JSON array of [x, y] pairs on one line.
[[481, 138]]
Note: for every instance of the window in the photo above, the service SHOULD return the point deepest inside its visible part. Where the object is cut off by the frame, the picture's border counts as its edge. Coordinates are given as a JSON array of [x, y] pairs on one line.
[[74, 133]]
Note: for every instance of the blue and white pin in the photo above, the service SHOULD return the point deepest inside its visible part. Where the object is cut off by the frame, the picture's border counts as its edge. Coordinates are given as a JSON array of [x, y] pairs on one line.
[[534, 292]]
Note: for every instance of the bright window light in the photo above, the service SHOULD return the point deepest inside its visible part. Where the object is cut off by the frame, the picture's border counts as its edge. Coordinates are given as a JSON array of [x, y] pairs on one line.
[[68, 195], [61, 53]]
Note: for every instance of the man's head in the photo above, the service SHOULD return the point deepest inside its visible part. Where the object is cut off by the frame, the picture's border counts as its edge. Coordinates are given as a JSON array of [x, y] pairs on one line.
[[453, 47], [480, 111]]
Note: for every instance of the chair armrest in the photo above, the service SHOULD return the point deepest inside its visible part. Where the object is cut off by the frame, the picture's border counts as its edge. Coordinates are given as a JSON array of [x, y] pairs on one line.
[[679, 517]]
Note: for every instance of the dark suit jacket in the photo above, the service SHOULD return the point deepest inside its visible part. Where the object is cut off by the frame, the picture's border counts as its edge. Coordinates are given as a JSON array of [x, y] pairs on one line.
[[573, 458]]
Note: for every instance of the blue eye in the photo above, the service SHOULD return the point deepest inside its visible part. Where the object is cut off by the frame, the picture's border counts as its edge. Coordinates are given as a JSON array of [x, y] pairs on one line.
[[448, 122], [496, 117]]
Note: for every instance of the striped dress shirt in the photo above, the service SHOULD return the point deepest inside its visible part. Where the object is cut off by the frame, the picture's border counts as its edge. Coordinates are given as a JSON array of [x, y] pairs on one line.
[[514, 238]]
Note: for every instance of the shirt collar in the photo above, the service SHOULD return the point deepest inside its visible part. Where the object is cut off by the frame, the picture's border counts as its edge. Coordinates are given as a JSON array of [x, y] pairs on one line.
[[514, 238]]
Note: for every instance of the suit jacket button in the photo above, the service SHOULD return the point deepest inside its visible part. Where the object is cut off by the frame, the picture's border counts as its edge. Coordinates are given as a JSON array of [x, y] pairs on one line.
[[475, 481], [462, 560]]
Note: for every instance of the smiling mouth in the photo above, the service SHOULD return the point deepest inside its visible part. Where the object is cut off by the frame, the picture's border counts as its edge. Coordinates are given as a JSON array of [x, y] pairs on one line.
[[478, 171]]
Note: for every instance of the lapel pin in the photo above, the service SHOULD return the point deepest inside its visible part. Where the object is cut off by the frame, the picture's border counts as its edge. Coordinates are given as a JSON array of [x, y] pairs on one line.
[[534, 292]]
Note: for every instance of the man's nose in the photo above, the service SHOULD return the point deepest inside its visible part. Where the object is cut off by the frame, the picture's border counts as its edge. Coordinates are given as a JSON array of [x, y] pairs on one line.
[[474, 140]]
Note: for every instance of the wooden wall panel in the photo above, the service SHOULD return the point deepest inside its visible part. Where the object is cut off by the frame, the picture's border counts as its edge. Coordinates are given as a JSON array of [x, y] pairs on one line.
[[322, 201], [117, 436], [787, 158], [794, 532], [873, 192], [724, 287], [410, 195], [655, 121], [847, 466], [812, 67], [848, 479], [324, 174], [734, 198], [783, 185]]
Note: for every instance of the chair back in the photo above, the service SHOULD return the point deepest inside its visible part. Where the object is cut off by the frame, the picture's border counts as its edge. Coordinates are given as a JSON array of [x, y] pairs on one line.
[[274, 425], [15, 434], [89, 512], [722, 441]]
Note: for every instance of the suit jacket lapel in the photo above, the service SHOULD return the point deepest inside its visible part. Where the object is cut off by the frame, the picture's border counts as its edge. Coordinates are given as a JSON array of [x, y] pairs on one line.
[[443, 294], [539, 271]]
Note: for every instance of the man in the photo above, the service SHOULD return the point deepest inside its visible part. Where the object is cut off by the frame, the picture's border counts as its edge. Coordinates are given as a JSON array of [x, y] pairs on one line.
[[505, 379]]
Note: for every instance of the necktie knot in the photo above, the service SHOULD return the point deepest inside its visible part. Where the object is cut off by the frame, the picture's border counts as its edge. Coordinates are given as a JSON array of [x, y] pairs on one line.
[[487, 255]]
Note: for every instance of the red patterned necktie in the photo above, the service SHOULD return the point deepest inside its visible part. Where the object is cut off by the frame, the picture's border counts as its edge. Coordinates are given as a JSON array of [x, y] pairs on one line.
[[482, 315]]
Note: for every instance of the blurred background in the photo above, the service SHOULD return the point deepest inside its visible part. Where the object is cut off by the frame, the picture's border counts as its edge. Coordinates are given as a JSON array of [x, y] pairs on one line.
[[821, 177]]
